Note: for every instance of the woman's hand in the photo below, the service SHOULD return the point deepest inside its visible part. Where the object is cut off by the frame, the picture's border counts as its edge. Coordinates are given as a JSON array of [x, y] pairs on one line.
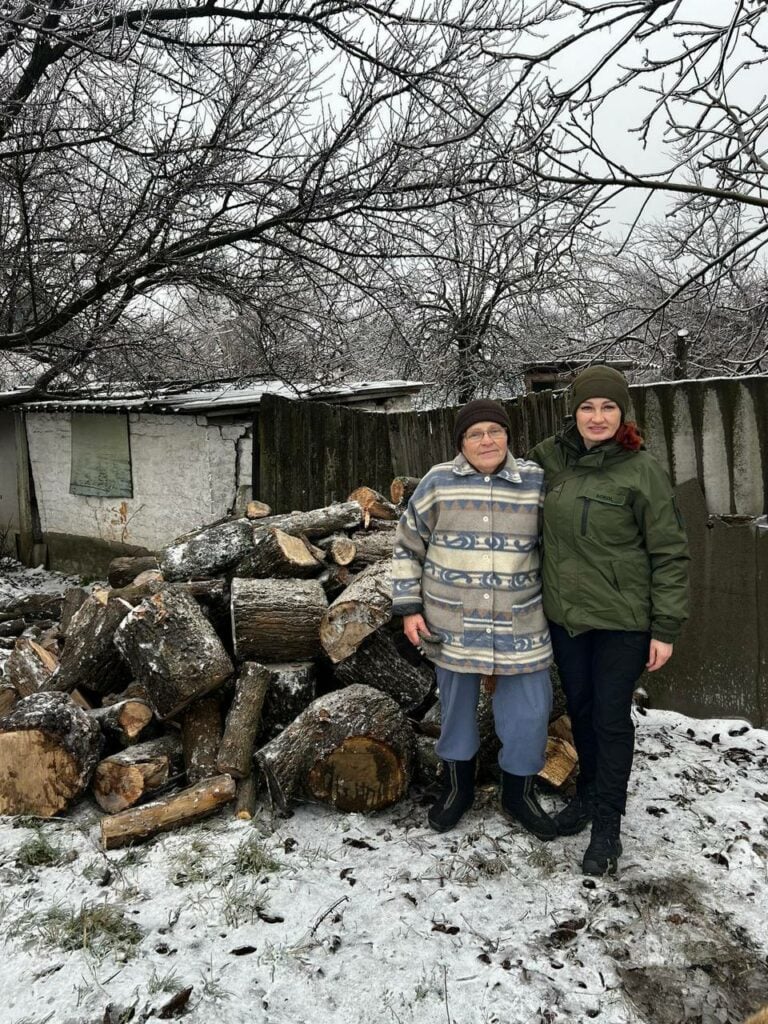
[[414, 627], [658, 655]]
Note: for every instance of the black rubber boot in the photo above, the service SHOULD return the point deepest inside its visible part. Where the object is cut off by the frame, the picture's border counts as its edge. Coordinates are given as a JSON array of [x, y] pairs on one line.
[[456, 796], [576, 814], [604, 847], [518, 801]]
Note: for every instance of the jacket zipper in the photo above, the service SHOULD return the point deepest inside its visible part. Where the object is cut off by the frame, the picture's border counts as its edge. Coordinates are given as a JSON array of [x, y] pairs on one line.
[[584, 517]]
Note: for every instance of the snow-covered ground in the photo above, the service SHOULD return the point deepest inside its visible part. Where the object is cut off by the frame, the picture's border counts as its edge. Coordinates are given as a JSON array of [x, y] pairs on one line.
[[330, 917]]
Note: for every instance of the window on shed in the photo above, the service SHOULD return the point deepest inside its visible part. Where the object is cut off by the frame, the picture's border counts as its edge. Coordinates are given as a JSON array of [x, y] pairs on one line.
[[101, 456]]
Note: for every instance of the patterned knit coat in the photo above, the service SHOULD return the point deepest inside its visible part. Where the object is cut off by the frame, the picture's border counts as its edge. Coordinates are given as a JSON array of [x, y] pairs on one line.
[[467, 558]]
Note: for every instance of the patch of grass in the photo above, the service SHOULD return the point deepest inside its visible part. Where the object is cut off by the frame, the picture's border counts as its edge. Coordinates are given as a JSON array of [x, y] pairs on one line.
[[243, 902], [252, 859], [99, 929], [38, 852], [167, 982], [543, 859], [193, 864]]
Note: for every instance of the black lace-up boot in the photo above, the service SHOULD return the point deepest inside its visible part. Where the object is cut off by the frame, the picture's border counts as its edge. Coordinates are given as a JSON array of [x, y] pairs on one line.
[[518, 801], [604, 847], [456, 796], [577, 813]]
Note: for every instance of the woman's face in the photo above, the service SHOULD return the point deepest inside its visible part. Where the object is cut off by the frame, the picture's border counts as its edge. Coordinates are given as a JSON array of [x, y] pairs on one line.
[[597, 420], [484, 446]]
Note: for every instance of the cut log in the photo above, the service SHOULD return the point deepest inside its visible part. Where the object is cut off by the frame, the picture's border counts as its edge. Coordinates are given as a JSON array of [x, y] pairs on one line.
[[184, 808], [334, 579], [428, 764], [13, 627], [207, 552], [373, 547], [49, 748], [8, 697], [401, 489], [245, 801], [378, 663], [172, 650], [124, 721], [340, 548], [292, 688], [74, 598], [123, 571], [201, 729], [33, 607], [277, 620], [365, 605], [277, 554], [352, 749], [373, 504], [257, 510], [243, 721], [89, 657], [319, 522], [123, 779], [29, 667]]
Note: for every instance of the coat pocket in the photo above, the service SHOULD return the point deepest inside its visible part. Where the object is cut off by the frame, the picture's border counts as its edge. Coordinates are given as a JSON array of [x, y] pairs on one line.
[[443, 616]]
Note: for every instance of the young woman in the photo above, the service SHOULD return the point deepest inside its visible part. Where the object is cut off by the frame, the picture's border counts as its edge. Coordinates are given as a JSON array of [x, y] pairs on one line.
[[467, 583], [615, 567]]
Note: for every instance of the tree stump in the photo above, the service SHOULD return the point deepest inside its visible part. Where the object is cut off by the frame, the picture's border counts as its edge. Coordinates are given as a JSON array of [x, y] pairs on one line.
[[207, 552], [236, 749], [365, 605], [201, 730], [292, 688], [49, 748], [173, 650], [89, 657], [184, 808], [378, 663], [318, 522], [277, 554], [123, 779], [277, 620], [352, 749]]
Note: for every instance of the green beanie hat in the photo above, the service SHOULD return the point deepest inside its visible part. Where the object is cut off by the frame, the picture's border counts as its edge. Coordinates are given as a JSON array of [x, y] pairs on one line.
[[600, 382]]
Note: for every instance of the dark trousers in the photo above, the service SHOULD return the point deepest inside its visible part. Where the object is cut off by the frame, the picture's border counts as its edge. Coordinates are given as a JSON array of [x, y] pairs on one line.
[[599, 670]]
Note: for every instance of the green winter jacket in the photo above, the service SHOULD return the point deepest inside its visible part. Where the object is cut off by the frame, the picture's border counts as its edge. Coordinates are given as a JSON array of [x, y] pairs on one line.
[[615, 550]]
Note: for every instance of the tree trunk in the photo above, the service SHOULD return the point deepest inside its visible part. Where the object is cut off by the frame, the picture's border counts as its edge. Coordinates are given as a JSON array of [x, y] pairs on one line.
[[373, 504], [89, 657], [277, 554], [123, 571], [172, 650], [29, 667], [352, 749], [292, 688], [207, 552], [318, 522], [378, 663], [184, 808], [49, 748], [124, 721], [401, 489], [277, 620], [123, 779], [365, 605], [236, 750], [201, 730]]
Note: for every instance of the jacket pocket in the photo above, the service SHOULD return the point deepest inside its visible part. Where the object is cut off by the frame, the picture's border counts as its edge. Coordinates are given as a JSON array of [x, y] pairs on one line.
[[443, 615], [633, 583], [606, 514]]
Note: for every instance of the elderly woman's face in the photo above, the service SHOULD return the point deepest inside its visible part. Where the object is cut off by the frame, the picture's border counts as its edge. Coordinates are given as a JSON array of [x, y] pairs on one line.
[[484, 446], [597, 420]]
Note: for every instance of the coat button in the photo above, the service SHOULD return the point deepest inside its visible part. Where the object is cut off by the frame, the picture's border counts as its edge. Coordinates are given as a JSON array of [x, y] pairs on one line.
[[485, 519], [487, 597], [487, 629], [487, 479]]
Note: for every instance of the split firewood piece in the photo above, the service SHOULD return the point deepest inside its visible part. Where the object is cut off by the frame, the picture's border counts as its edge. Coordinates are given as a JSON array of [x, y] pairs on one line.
[[373, 547], [292, 688], [401, 489], [560, 762], [358, 611], [277, 554], [207, 552], [8, 697], [257, 510], [245, 800], [173, 650], [30, 666], [275, 620], [561, 727], [236, 750], [89, 657], [184, 808], [373, 504], [378, 663], [49, 748], [352, 748], [74, 598], [123, 779], [123, 571], [340, 548], [201, 729], [318, 522], [124, 721]]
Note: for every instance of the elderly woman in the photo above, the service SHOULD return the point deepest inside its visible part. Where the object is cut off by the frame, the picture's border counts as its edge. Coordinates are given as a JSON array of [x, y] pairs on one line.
[[467, 583], [615, 592]]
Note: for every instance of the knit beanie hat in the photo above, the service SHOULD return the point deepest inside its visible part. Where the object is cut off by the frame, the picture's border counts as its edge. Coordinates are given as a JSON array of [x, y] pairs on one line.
[[600, 382], [482, 410]]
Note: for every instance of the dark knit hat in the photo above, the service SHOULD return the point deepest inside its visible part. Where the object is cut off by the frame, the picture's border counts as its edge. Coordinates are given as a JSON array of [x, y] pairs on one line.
[[600, 382], [482, 410]]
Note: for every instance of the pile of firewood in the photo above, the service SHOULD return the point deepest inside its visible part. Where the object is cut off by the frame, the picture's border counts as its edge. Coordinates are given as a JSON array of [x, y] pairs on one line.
[[257, 652]]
